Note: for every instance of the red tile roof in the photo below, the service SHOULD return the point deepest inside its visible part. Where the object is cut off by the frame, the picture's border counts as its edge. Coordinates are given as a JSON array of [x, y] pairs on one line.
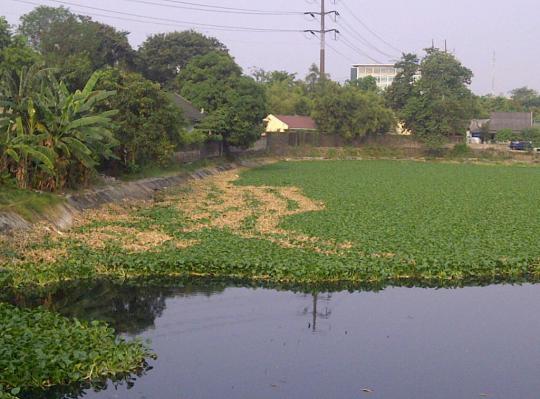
[[298, 122]]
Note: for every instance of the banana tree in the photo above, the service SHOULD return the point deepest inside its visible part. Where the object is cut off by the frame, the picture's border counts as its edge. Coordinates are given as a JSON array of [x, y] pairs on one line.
[[50, 133], [75, 132], [21, 133]]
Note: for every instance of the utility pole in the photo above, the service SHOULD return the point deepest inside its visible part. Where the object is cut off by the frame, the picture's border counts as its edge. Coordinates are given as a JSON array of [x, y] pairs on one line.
[[322, 65], [494, 61], [322, 34]]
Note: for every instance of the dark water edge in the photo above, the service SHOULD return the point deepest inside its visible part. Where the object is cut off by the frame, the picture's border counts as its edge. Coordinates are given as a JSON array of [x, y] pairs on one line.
[[236, 340]]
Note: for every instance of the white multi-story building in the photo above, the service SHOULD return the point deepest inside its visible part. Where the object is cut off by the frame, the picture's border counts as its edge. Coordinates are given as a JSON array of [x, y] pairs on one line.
[[383, 73]]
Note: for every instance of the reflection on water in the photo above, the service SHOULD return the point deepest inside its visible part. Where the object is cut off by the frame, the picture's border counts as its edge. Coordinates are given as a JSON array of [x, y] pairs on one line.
[[234, 342]]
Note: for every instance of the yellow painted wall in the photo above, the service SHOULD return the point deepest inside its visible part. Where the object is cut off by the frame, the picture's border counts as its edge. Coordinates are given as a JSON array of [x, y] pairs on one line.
[[274, 125]]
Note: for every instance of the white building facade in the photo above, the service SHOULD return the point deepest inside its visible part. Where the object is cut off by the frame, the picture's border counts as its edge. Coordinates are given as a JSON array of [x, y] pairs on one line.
[[384, 74]]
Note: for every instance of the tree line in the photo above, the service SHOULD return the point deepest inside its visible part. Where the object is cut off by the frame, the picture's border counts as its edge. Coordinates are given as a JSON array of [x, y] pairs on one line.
[[76, 99]]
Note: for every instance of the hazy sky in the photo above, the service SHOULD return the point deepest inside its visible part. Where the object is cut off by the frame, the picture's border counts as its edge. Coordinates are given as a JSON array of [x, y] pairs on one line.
[[474, 30]]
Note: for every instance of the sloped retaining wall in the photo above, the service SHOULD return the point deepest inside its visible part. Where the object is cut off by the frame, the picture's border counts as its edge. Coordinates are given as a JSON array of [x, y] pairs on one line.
[[62, 216]]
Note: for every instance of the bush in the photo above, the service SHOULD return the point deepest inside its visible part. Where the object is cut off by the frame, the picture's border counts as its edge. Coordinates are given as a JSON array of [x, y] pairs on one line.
[[505, 135], [460, 150], [532, 134]]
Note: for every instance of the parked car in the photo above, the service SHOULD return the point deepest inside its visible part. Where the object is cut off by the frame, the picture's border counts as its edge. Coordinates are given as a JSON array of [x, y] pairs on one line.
[[521, 145]]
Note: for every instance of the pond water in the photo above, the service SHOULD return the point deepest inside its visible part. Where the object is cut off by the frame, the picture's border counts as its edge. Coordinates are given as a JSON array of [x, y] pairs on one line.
[[235, 342]]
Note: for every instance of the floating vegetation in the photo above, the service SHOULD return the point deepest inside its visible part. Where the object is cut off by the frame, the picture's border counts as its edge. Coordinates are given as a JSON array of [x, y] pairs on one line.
[[40, 349], [360, 222]]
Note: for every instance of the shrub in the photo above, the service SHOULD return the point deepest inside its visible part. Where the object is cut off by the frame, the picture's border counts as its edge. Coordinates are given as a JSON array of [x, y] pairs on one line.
[[532, 134], [505, 135], [460, 150]]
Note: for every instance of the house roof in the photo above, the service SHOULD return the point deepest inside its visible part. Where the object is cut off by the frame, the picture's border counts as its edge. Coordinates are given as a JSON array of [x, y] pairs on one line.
[[191, 113], [517, 121], [298, 122]]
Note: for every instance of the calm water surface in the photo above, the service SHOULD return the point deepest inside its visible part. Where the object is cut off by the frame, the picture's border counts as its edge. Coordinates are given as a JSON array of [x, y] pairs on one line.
[[260, 343]]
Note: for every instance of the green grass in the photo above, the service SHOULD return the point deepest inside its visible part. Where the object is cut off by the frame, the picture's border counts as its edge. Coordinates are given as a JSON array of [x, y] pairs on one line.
[[384, 222], [153, 170], [26, 203]]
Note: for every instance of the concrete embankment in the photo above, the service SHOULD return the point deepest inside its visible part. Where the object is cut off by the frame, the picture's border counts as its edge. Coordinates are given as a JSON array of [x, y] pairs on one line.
[[63, 215]]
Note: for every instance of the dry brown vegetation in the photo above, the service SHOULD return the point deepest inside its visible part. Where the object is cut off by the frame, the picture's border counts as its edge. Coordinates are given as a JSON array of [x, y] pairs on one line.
[[250, 211]]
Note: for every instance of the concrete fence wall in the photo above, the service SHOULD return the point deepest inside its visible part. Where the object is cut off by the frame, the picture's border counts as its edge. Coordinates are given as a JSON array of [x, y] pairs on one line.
[[281, 143]]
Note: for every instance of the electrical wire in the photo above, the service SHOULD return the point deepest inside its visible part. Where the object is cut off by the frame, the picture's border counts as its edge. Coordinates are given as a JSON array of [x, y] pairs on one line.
[[340, 53], [350, 29], [353, 47], [369, 29], [225, 8], [167, 20], [218, 10]]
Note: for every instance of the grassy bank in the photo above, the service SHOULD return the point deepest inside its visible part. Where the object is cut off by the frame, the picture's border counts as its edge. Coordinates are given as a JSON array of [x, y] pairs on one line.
[[26, 203], [311, 222]]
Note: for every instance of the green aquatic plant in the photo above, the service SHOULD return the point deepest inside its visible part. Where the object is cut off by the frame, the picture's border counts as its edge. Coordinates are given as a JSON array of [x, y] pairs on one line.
[[41, 349]]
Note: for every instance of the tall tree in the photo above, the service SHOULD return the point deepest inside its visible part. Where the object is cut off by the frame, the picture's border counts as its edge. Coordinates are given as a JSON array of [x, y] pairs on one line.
[[351, 111], [15, 52], [75, 44], [148, 126], [78, 47], [164, 55], [235, 103], [5, 33], [38, 22], [401, 89], [441, 103], [528, 98], [285, 94]]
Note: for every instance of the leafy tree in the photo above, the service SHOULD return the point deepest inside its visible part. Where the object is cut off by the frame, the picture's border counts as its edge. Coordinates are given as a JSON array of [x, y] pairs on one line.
[[164, 55], [369, 83], [75, 44], [351, 112], [271, 77], [5, 33], [440, 104], [148, 125], [526, 97], [78, 47], [401, 89], [488, 104], [38, 23], [14, 50], [285, 94], [235, 103], [18, 55], [50, 136], [21, 135], [77, 133]]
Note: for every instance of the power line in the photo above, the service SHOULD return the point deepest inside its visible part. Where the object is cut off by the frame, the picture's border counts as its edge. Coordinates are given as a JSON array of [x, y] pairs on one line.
[[223, 7], [349, 28], [167, 20], [217, 10], [352, 46], [340, 53], [369, 29]]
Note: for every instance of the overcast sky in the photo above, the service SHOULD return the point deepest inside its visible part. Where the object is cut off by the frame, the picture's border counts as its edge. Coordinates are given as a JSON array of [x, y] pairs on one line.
[[474, 30]]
